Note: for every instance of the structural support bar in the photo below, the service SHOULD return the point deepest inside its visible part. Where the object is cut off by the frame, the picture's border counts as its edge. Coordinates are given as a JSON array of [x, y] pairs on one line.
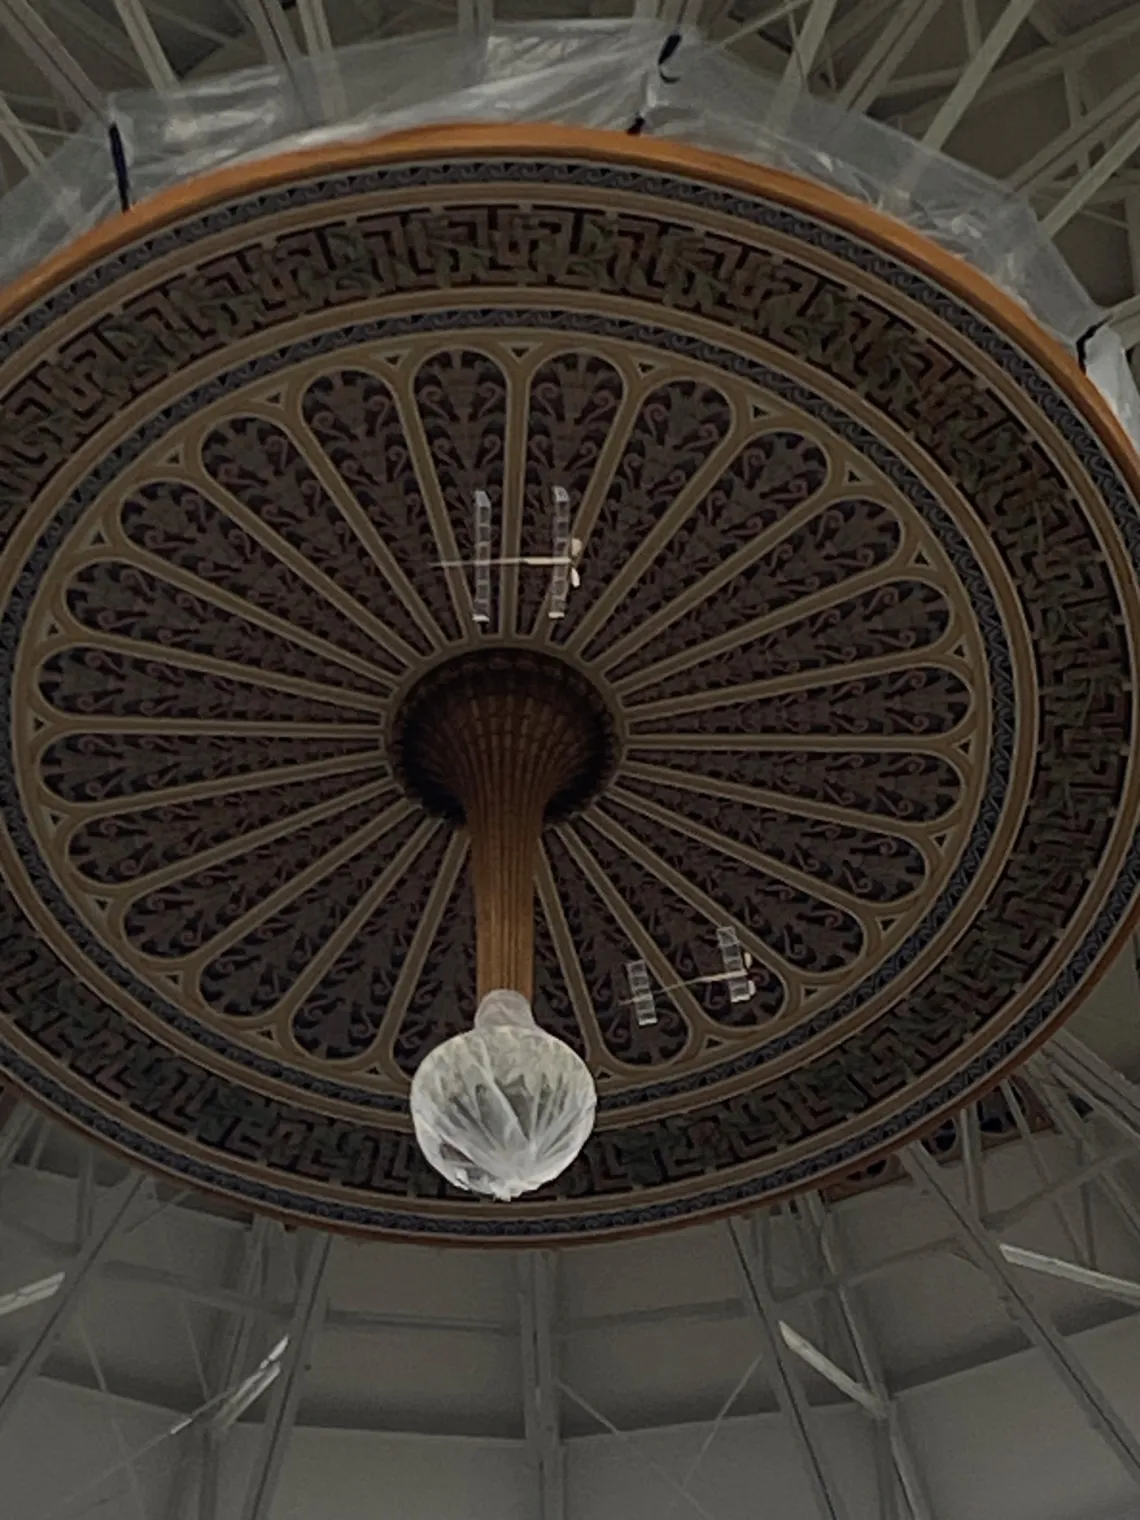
[[789, 1392], [286, 1399], [144, 39], [1088, 131], [909, 1476], [34, 1350], [273, 30], [540, 1381], [18, 1125], [898, 34], [228, 1363], [43, 49], [1044, 63], [1052, 1093], [805, 48], [1087, 184], [474, 18], [19, 139], [1114, 1094], [814, 1358], [1070, 1271], [976, 72], [984, 1251]]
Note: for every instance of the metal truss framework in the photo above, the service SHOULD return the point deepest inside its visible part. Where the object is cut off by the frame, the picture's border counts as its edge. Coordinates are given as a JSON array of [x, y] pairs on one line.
[[984, 1251], [37, 1343], [856, 54], [781, 1372], [254, 1368], [281, 1415]]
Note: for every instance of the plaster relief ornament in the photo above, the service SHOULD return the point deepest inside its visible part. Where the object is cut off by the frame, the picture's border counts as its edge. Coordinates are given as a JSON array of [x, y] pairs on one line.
[[554, 684]]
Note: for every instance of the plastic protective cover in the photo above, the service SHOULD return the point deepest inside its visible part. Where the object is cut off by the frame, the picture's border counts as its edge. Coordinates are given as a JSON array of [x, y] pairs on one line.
[[504, 1108], [590, 73]]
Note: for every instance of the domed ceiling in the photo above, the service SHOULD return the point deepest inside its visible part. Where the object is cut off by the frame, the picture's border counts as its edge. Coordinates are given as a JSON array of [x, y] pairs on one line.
[[858, 587]]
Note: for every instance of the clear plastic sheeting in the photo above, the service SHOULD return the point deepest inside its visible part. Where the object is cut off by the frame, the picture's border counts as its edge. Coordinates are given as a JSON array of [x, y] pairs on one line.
[[610, 74], [504, 1108]]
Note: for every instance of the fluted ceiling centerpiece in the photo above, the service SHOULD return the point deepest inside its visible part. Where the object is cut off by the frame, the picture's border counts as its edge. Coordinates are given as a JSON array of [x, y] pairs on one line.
[[800, 818]]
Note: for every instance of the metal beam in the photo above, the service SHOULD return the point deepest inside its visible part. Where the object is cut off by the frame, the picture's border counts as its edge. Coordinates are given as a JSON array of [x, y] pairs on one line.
[[357, 1322], [858, 1329], [1086, 185], [972, 26], [1045, 23], [814, 1358], [273, 30], [194, 28], [1106, 1178], [758, 22], [228, 1394], [1044, 1175], [474, 17], [976, 72], [788, 1390], [286, 1399], [43, 49], [808, 39], [897, 37], [859, 19], [315, 26], [23, 1118], [1045, 63], [204, 1413], [218, 1296], [130, 1466], [917, 84], [540, 1381], [319, 44], [985, 1253], [1088, 1171], [970, 1130], [1088, 131], [84, 21], [228, 1361], [30, 1293], [85, 1195], [1115, 1095], [19, 139], [1068, 1271], [34, 1350], [144, 39]]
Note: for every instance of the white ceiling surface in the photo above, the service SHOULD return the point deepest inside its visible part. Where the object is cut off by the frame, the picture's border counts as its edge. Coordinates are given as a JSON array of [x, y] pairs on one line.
[[642, 1379]]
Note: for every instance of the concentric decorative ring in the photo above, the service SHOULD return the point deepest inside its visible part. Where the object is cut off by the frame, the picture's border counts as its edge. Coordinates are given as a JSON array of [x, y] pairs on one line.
[[859, 591]]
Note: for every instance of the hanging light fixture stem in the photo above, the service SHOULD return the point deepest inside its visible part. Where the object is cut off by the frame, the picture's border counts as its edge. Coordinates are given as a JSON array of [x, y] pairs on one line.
[[504, 741]]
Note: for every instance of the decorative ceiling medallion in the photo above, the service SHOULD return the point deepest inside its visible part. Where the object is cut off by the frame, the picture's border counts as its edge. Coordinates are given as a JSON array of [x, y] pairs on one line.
[[851, 662]]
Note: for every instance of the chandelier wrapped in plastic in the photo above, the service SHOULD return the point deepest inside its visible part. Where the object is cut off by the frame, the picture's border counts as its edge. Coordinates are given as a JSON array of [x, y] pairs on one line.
[[506, 1107], [502, 741]]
